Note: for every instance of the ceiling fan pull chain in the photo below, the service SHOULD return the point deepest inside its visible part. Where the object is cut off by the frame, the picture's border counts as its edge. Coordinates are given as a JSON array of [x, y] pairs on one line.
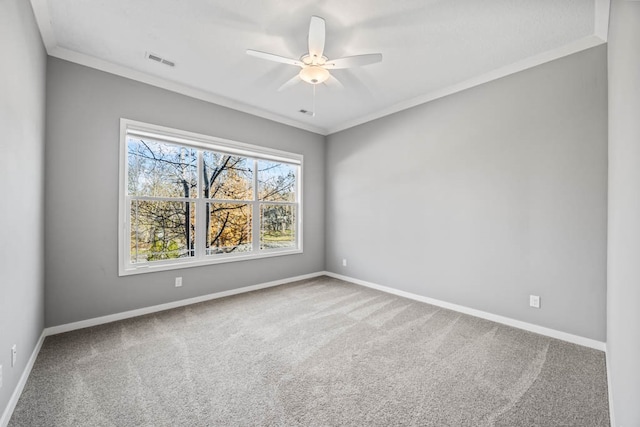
[[313, 110]]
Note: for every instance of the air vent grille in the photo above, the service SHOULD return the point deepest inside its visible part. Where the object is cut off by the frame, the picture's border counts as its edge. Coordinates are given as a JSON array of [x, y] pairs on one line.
[[158, 58]]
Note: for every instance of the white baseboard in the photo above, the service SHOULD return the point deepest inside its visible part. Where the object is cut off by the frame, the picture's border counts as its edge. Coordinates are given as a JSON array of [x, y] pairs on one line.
[[161, 307], [13, 401], [8, 412], [6, 416], [612, 418], [564, 336]]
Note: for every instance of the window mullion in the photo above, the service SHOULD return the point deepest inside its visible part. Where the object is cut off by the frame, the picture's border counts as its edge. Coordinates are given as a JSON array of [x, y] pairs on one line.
[[255, 216], [128, 221], [201, 211]]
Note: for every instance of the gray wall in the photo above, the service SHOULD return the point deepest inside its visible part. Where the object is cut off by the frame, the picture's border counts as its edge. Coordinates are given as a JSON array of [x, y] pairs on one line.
[[623, 297], [84, 107], [22, 121], [484, 197]]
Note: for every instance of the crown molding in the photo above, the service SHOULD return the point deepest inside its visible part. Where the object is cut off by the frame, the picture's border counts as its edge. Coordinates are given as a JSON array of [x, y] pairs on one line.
[[129, 73], [551, 55], [43, 18]]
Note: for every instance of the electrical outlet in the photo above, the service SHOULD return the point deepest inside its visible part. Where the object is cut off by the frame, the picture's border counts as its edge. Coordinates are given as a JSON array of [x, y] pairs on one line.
[[14, 355], [344, 262], [178, 282], [534, 301]]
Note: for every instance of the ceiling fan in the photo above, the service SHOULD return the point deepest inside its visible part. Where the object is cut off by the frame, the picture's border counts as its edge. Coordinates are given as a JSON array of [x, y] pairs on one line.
[[314, 65]]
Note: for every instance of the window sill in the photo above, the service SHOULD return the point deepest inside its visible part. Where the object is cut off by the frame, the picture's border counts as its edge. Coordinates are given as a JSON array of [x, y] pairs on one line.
[[222, 259]]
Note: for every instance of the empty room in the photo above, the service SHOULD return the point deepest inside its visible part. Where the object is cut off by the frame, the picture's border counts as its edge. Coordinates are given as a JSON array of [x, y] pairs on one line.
[[320, 213]]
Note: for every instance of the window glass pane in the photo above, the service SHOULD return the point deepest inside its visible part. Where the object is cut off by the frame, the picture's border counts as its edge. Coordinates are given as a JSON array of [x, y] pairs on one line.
[[162, 230], [227, 177], [276, 181], [160, 169], [277, 226], [228, 228]]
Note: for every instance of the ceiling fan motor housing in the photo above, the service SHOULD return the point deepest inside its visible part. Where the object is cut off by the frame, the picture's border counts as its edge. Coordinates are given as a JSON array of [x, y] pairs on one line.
[[309, 59]]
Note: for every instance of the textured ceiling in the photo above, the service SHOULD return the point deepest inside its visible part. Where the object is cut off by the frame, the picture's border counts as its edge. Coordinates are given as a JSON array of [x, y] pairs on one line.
[[430, 47]]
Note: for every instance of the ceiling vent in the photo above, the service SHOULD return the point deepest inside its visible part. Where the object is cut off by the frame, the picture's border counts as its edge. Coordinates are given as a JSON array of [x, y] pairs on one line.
[[307, 112], [158, 58]]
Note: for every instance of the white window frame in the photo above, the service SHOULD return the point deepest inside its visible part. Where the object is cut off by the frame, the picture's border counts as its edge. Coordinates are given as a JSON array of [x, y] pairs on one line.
[[209, 143]]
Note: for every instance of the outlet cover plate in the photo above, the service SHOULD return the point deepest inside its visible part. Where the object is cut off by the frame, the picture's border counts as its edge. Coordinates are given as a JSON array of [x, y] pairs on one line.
[[534, 301], [14, 354]]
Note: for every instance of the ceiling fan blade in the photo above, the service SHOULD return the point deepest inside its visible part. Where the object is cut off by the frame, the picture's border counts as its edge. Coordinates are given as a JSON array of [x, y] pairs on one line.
[[275, 58], [332, 82], [292, 82], [316, 36], [354, 61]]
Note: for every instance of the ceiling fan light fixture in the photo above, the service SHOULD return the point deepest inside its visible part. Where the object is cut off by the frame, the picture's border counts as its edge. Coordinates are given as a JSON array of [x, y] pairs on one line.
[[314, 74]]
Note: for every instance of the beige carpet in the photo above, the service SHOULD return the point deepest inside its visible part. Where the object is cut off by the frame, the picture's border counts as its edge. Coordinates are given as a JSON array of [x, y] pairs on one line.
[[320, 352]]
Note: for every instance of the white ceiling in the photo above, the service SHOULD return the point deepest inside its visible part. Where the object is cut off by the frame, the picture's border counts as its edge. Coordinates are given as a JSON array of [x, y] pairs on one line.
[[430, 48]]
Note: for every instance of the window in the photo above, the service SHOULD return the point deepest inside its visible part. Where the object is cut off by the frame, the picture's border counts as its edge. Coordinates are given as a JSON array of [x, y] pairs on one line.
[[189, 199]]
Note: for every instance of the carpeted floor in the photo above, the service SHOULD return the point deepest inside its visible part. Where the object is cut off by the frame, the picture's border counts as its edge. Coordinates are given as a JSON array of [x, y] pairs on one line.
[[320, 352]]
